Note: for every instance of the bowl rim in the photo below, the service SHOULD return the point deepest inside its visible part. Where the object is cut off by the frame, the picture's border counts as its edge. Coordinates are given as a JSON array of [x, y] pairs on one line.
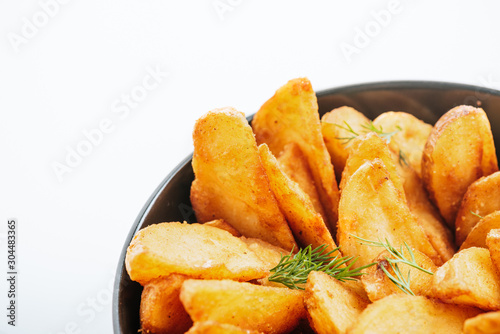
[[375, 85]]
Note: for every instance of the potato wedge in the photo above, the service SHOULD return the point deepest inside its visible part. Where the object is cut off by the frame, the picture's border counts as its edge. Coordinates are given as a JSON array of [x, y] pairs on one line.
[[482, 198], [372, 208], [306, 224], [428, 217], [291, 116], [230, 182], [378, 285], [293, 162], [245, 305], [486, 323], [161, 309], [477, 236], [412, 314], [194, 250], [223, 225], [459, 150], [469, 278], [334, 125], [410, 135], [269, 254], [366, 148], [212, 327], [331, 306], [493, 243]]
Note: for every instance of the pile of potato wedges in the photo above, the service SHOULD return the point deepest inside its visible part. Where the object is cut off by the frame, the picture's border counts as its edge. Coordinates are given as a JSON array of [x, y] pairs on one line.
[[291, 179]]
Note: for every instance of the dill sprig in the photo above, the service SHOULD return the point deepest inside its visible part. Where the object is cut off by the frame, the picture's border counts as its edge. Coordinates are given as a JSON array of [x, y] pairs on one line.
[[368, 127], [293, 269], [403, 160], [399, 257], [476, 214]]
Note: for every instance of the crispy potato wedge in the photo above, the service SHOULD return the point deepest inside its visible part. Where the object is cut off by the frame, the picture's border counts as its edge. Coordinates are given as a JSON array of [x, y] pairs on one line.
[[291, 116], [409, 138], [378, 285], [486, 323], [477, 236], [293, 162], [194, 250], [230, 182], [269, 254], [212, 327], [469, 278], [306, 224], [493, 243], [412, 314], [372, 208], [482, 198], [223, 225], [428, 217], [245, 305], [161, 309], [459, 150], [366, 148], [334, 127], [331, 306]]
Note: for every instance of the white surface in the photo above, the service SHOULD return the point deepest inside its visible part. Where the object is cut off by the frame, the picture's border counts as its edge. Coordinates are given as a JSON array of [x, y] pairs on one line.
[[70, 76]]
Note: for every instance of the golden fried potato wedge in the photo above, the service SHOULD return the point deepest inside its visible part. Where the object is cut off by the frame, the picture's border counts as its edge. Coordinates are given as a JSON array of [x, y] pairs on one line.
[[366, 148], [482, 198], [254, 307], [306, 224], [161, 309], [412, 314], [428, 217], [291, 116], [486, 323], [334, 127], [469, 278], [269, 254], [212, 327], [331, 306], [372, 208], [223, 225], [293, 162], [378, 285], [409, 138], [194, 250], [230, 182], [459, 150], [477, 236], [493, 243]]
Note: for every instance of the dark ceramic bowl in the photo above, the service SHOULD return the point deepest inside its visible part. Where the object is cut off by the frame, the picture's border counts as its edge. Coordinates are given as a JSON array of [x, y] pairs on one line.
[[170, 201]]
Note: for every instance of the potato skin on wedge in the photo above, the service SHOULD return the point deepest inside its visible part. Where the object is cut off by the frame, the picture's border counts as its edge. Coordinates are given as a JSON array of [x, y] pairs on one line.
[[161, 309], [230, 182], [254, 307], [481, 198], [412, 314], [194, 250], [372, 208], [459, 150], [332, 306]]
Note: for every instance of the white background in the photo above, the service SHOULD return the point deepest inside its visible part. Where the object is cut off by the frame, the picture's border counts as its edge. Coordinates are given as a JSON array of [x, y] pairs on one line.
[[69, 74]]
